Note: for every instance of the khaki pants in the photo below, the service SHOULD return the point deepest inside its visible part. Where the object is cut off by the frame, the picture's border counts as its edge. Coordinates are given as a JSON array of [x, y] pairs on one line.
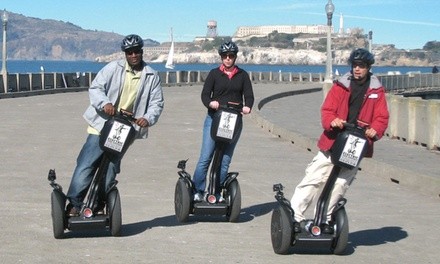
[[316, 175]]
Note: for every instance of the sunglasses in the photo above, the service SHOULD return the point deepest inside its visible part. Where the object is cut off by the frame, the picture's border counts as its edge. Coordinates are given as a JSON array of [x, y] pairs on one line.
[[136, 52], [361, 65], [231, 56]]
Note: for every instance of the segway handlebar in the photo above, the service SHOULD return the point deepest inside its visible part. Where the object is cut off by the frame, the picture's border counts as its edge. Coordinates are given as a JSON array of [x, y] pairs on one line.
[[232, 105], [354, 126], [127, 115]]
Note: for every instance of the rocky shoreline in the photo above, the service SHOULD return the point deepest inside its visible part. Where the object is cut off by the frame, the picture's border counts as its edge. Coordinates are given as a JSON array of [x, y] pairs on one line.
[[385, 56]]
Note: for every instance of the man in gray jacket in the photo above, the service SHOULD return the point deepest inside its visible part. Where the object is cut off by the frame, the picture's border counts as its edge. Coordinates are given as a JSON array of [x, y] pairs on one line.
[[128, 84]]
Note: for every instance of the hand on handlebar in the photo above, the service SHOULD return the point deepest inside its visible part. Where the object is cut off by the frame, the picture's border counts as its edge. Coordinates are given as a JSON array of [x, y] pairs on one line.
[[246, 110], [142, 122], [214, 105], [371, 133], [109, 109], [337, 123]]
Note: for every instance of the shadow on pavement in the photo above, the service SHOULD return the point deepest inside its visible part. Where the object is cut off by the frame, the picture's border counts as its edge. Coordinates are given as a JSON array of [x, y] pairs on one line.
[[137, 228], [374, 237], [247, 214]]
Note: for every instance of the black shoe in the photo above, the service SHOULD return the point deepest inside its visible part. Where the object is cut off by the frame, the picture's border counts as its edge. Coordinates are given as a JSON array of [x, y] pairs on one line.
[[327, 229], [99, 210], [296, 227], [72, 211]]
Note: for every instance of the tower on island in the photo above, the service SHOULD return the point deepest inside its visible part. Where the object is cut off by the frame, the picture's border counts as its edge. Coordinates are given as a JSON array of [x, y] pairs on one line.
[[341, 25], [212, 29]]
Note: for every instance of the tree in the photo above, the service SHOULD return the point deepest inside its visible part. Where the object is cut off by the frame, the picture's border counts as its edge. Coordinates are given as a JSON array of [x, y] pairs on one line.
[[432, 46]]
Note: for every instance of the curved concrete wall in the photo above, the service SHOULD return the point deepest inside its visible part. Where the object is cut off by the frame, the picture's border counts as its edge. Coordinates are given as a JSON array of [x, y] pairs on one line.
[[414, 120]]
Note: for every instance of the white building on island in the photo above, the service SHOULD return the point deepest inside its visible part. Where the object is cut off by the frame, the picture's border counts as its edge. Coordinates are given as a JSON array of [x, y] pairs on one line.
[[259, 31]]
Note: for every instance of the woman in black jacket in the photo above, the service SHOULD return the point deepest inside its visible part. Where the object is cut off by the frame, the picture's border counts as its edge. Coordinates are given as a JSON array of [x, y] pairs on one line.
[[226, 83]]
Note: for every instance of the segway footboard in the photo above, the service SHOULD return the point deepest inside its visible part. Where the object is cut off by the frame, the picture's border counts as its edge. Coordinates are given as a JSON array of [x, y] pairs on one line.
[[80, 223], [307, 240], [205, 208]]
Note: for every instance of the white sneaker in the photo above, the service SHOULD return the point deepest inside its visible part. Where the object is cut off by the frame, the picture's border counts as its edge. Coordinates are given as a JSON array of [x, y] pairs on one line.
[[221, 199], [198, 197]]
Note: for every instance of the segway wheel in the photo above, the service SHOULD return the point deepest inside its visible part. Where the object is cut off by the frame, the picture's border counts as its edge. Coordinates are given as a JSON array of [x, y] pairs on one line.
[[182, 200], [281, 230], [114, 212], [342, 230], [234, 193], [58, 201]]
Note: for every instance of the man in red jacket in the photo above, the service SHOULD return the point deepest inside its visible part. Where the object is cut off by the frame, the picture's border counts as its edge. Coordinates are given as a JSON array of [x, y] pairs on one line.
[[357, 97]]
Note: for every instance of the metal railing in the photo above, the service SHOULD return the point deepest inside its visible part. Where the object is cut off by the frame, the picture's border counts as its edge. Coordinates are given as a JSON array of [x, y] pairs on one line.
[[37, 82], [49, 82], [40, 82], [398, 83]]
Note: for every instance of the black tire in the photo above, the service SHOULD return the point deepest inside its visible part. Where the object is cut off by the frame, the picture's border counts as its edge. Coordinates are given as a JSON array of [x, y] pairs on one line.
[[58, 202], [114, 212], [281, 230], [234, 193], [342, 230], [182, 200]]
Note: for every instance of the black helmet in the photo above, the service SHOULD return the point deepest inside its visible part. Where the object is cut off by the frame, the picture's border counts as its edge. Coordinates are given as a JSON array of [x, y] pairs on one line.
[[361, 55], [228, 47], [131, 41]]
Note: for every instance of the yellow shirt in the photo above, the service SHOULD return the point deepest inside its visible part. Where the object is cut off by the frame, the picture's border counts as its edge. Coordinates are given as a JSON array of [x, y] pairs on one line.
[[129, 90], [128, 94]]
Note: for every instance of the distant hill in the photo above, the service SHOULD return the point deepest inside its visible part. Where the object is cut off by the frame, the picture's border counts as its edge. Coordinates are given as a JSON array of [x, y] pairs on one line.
[[46, 39]]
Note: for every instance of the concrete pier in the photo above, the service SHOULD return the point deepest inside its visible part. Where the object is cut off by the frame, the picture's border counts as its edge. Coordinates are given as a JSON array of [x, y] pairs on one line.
[[392, 215]]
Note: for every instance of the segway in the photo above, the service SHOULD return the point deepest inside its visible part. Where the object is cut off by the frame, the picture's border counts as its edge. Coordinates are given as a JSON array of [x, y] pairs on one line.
[[226, 124], [347, 151], [116, 136]]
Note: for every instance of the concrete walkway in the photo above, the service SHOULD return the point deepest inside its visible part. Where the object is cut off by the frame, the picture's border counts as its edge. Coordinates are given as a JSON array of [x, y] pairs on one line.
[[389, 222]]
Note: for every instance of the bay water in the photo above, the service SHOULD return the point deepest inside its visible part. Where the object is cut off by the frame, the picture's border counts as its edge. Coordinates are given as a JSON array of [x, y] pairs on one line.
[[36, 66]]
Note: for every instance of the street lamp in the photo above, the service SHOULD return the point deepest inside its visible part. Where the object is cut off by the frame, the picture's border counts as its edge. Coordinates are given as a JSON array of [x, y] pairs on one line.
[[4, 71], [370, 41], [329, 9]]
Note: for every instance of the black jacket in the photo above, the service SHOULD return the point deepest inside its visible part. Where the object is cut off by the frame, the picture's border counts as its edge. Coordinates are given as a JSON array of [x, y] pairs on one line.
[[218, 87]]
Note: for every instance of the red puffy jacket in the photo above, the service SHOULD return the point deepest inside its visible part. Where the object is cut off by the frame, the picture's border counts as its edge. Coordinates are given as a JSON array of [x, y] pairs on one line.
[[374, 110]]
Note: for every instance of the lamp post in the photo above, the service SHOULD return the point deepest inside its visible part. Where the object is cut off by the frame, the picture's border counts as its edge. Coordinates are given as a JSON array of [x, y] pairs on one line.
[[370, 41], [329, 9], [4, 71]]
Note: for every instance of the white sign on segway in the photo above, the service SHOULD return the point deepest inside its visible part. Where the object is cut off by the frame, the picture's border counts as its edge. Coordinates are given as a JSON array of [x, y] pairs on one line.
[[352, 151], [227, 125], [117, 136]]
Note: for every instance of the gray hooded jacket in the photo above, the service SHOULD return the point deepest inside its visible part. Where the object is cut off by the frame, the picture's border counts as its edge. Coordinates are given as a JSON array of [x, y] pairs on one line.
[[106, 88]]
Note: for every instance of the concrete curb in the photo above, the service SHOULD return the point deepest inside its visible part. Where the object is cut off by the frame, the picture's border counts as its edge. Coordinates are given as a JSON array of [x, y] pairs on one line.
[[408, 178], [411, 179]]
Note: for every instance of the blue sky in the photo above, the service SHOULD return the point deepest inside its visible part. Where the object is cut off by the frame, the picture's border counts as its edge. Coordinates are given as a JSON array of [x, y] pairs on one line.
[[407, 24]]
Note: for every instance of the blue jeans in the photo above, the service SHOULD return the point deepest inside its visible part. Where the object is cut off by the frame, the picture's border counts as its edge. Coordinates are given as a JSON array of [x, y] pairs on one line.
[[206, 154], [86, 165]]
